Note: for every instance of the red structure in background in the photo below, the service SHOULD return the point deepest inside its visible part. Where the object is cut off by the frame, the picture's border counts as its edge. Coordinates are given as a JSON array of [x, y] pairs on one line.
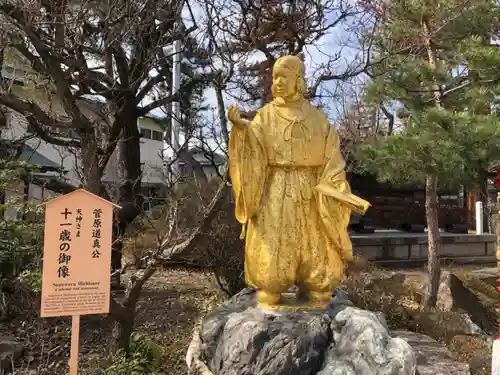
[[393, 206], [497, 177]]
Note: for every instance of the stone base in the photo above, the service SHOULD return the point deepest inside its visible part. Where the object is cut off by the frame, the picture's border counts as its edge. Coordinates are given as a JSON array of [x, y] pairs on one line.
[[240, 339], [433, 358]]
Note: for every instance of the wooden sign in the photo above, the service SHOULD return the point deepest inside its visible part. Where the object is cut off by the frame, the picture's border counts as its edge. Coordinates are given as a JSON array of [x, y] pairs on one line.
[[77, 260]]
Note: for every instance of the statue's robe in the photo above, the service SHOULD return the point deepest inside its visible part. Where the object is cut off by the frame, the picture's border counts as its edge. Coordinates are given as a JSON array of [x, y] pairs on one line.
[[294, 234]]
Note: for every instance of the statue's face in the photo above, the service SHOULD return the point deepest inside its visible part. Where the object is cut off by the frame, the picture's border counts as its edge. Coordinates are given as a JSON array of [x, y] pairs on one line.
[[284, 82]]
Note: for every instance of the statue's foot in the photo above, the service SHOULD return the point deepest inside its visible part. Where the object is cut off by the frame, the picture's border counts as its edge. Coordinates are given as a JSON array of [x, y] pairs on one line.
[[266, 298], [320, 298]]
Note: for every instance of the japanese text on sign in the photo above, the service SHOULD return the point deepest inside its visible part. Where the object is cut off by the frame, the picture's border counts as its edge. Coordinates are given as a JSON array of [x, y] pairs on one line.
[[79, 219], [64, 246], [96, 233], [77, 239]]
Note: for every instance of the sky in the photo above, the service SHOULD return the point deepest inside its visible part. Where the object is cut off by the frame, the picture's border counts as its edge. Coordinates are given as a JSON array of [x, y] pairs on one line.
[[315, 56]]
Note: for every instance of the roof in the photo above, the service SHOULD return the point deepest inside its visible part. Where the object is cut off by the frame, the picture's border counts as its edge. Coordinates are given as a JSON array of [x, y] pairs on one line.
[[205, 157], [31, 156], [79, 191]]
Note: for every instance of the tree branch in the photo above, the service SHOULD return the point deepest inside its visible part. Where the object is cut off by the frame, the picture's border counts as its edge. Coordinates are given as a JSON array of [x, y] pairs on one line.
[[121, 64], [43, 135], [171, 98], [150, 84], [208, 216], [27, 108], [51, 62]]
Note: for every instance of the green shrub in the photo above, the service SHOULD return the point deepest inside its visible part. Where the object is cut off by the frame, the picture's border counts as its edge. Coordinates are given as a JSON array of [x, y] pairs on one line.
[[20, 247], [33, 278], [20, 240], [143, 359]]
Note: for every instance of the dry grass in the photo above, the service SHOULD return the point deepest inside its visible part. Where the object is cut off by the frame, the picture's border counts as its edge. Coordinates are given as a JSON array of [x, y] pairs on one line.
[[171, 304], [371, 288], [474, 351], [174, 301]]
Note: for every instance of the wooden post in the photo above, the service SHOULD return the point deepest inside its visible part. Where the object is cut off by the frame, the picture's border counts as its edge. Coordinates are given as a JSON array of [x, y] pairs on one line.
[[75, 345]]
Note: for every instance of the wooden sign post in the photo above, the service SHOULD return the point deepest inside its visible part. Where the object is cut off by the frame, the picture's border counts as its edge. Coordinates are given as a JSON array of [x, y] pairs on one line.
[[77, 260]]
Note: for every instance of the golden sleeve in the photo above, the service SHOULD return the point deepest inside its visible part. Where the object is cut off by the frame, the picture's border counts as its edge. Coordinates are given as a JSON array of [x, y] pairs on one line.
[[247, 168], [335, 215]]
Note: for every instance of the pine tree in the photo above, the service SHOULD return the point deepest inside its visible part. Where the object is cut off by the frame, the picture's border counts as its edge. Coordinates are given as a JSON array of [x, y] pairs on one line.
[[20, 240], [442, 70]]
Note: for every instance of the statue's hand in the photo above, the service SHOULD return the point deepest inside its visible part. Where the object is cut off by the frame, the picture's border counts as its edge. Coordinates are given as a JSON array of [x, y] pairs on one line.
[[234, 116]]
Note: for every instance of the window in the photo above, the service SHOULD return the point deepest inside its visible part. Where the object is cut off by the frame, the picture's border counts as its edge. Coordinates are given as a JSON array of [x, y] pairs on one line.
[[152, 134], [64, 132], [185, 170], [157, 136], [146, 133]]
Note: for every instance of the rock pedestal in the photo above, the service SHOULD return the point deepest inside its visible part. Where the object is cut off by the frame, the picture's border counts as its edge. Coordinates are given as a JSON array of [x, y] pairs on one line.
[[238, 338]]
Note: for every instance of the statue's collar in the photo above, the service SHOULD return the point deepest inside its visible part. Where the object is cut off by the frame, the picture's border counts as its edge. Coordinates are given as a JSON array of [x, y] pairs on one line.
[[280, 102]]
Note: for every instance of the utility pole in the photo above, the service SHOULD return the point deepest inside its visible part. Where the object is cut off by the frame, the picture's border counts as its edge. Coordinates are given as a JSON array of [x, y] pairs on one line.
[[171, 142], [176, 106]]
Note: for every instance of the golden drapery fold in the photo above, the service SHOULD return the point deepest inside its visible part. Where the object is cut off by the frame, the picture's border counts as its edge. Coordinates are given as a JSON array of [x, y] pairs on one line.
[[294, 234], [247, 169], [334, 215]]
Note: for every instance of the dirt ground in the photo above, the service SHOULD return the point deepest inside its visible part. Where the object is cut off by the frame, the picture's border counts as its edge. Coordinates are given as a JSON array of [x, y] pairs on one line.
[[401, 302], [173, 302]]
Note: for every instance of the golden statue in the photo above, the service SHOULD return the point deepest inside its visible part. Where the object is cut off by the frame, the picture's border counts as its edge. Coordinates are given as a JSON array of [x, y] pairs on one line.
[[291, 194]]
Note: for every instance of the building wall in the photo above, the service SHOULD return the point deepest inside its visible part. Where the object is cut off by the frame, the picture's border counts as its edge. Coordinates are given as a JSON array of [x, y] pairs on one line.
[[15, 193], [151, 153], [17, 128]]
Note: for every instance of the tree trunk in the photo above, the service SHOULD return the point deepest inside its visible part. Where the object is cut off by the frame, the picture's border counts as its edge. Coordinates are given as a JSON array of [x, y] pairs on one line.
[[124, 313], [123, 329], [129, 189], [129, 165], [431, 186], [90, 162], [434, 240]]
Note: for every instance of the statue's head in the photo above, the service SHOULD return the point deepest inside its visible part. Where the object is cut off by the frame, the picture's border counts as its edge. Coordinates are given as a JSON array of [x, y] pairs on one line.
[[289, 78]]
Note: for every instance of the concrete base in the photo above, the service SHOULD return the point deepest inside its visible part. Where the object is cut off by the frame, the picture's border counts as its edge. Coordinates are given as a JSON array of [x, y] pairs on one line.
[[393, 246]]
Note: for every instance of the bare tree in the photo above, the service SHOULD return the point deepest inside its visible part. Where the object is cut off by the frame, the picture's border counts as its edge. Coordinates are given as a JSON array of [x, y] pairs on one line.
[[111, 54], [248, 37]]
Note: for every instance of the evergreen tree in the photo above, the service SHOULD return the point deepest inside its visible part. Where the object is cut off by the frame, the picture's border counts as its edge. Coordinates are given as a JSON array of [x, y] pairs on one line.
[[20, 240], [442, 70]]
